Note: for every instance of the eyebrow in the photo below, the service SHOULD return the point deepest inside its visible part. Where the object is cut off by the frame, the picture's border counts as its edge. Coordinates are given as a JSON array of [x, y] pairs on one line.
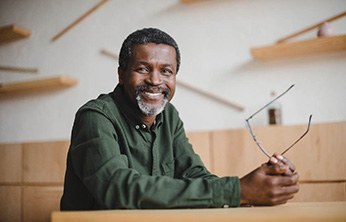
[[148, 63]]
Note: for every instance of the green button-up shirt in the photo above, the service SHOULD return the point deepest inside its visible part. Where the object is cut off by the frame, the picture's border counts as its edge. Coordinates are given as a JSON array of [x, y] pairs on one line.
[[115, 161]]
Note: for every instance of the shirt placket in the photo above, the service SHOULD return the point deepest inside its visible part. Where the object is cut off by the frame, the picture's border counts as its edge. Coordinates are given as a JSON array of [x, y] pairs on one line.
[[155, 153], [150, 138]]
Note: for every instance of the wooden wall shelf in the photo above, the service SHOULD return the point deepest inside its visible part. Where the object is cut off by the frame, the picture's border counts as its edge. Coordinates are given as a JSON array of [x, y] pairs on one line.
[[13, 32], [306, 47], [284, 49], [51, 83], [18, 69], [214, 97], [190, 1]]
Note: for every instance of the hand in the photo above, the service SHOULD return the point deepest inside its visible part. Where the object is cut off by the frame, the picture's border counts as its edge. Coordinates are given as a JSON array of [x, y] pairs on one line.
[[281, 165], [273, 183]]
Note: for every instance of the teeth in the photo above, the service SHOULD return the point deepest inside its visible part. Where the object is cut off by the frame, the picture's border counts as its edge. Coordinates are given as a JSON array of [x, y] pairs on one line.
[[152, 94]]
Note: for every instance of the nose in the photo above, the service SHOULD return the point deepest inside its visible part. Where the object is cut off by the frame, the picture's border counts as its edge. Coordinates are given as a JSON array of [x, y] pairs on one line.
[[155, 78]]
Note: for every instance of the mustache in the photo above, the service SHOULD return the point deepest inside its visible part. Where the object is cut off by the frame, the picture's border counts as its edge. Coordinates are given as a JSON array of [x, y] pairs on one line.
[[154, 89]]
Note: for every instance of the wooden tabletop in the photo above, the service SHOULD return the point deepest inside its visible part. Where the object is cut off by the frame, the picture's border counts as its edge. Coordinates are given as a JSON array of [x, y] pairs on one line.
[[314, 211]]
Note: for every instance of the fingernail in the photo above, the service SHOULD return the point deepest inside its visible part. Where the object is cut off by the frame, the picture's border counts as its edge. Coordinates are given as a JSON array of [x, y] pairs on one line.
[[273, 160], [280, 157], [282, 166]]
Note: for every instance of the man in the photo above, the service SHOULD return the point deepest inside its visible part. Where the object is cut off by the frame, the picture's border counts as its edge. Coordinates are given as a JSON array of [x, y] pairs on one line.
[[129, 149]]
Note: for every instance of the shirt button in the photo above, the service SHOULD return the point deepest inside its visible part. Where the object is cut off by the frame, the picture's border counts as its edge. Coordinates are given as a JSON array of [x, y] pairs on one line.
[[137, 126], [144, 126]]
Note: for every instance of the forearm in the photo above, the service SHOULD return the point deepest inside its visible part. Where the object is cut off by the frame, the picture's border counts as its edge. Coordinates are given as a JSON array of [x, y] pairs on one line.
[[130, 190]]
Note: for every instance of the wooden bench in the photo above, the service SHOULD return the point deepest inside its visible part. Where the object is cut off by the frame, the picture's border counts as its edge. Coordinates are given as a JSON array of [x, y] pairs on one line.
[[31, 180], [319, 157], [32, 174]]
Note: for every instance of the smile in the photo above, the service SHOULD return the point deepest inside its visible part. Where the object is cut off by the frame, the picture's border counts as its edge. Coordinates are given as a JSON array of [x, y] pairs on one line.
[[153, 95], [151, 100]]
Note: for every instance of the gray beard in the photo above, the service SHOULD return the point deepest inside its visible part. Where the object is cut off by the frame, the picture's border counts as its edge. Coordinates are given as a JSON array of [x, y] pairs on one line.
[[148, 109]]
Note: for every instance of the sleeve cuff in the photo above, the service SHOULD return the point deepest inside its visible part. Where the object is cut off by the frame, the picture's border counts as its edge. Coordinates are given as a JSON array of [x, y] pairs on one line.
[[227, 192]]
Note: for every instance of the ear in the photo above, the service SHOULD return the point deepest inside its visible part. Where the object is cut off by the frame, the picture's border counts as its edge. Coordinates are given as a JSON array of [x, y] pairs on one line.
[[121, 74]]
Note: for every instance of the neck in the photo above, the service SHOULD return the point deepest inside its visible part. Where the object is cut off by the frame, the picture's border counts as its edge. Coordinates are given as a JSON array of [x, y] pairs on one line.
[[148, 120]]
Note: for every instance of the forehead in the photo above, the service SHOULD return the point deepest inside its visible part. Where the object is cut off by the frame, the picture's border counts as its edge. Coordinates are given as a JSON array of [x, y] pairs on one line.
[[154, 52]]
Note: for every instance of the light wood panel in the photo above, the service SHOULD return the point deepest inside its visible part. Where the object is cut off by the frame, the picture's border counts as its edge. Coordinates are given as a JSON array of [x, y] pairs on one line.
[[319, 156], [10, 163], [202, 146], [321, 192], [40, 201], [234, 153], [31, 179], [13, 32], [10, 203], [44, 162], [306, 47]]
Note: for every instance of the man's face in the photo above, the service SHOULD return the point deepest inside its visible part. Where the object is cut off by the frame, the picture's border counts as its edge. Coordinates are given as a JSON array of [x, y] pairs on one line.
[[149, 79]]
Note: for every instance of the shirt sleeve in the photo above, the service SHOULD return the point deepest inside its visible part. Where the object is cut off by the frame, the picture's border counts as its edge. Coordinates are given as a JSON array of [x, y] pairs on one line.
[[190, 166], [97, 161]]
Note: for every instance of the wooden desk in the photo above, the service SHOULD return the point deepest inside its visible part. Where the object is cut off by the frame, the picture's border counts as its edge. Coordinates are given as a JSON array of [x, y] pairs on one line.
[[317, 211]]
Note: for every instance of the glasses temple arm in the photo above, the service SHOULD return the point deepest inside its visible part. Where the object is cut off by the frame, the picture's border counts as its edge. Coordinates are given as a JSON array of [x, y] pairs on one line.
[[301, 137], [254, 138], [271, 102]]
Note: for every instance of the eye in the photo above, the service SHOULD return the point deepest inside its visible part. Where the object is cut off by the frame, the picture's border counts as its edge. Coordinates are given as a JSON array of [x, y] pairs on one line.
[[167, 71], [142, 70]]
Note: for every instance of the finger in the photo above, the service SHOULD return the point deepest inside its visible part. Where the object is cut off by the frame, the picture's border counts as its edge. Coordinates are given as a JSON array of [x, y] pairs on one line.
[[275, 167], [285, 181], [283, 194], [287, 192], [273, 160], [291, 190], [282, 199], [285, 160]]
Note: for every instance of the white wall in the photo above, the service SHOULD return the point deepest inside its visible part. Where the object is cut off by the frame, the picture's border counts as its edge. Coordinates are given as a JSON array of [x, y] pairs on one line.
[[214, 37]]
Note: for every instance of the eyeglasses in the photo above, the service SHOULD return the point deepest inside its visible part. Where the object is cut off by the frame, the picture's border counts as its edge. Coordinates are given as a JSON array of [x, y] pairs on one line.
[[254, 136]]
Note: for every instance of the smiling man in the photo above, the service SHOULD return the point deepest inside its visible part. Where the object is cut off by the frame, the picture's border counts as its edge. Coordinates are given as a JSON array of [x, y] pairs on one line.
[[129, 149], [149, 78]]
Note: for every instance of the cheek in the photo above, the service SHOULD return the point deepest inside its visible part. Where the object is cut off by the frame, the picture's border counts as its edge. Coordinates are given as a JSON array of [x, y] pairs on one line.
[[130, 85], [171, 95], [134, 81], [171, 85]]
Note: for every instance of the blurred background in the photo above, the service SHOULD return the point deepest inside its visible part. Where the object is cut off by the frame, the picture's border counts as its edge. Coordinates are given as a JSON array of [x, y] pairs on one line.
[[215, 38]]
